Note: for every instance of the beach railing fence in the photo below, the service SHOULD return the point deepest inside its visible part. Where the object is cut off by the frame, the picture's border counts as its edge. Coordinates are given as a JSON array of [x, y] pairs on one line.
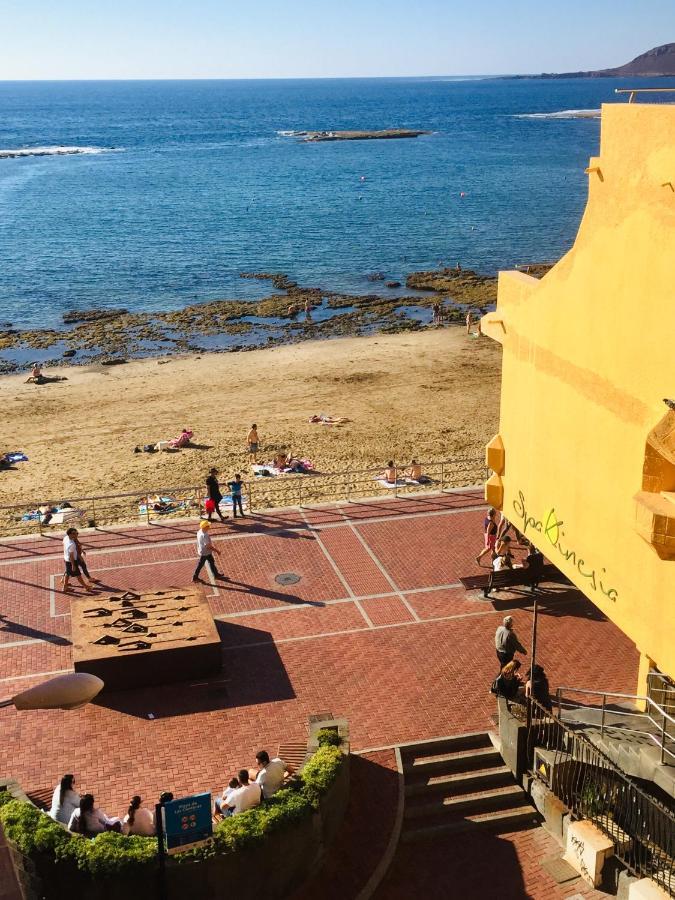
[[159, 504]]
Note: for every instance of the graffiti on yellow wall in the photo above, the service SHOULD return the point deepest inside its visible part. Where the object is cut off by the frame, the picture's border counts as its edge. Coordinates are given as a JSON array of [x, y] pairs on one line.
[[550, 527]]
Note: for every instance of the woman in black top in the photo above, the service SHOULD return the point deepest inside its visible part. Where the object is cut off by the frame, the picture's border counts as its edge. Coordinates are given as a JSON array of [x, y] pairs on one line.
[[213, 493]]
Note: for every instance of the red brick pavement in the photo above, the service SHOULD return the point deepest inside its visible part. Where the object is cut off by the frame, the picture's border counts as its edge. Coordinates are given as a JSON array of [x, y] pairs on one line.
[[480, 866], [377, 630]]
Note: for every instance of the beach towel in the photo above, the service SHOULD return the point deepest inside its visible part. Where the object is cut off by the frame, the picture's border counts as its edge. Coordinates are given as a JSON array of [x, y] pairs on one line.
[[400, 482], [16, 456]]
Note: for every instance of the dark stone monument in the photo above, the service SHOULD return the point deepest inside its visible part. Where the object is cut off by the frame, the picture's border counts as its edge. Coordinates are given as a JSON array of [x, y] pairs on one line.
[[132, 639]]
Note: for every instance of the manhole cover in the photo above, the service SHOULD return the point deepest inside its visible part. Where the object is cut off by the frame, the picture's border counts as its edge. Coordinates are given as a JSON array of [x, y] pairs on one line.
[[287, 578]]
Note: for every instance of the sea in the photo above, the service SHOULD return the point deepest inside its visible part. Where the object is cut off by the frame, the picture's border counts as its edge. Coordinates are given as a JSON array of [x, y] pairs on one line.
[[152, 195]]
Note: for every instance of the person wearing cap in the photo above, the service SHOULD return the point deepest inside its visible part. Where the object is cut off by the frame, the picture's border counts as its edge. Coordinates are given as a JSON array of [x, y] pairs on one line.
[[205, 551], [507, 643]]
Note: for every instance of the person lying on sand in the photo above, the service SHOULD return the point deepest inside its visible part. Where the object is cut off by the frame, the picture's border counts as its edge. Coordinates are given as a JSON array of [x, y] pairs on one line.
[[323, 419]]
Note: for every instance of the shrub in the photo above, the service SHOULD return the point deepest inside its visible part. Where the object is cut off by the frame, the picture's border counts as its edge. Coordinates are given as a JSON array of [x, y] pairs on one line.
[[329, 737], [112, 854], [319, 773]]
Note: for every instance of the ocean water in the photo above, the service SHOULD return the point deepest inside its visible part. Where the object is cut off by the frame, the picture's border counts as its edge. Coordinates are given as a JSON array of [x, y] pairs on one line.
[[153, 195]]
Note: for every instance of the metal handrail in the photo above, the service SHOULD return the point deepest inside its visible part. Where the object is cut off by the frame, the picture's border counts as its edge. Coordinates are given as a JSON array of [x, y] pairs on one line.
[[660, 741], [634, 91], [290, 490], [593, 787]]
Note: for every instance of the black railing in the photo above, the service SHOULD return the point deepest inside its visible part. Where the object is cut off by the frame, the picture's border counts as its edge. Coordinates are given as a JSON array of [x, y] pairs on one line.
[[592, 787]]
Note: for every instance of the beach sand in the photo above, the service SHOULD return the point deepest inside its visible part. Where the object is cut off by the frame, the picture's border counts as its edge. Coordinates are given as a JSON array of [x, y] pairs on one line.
[[433, 395]]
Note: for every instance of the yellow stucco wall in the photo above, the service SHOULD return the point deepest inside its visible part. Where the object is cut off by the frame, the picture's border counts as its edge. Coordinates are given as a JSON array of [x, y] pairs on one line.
[[589, 353]]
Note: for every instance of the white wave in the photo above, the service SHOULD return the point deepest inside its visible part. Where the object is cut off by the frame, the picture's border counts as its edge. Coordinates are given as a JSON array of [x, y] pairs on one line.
[[20, 152], [563, 114], [291, 133]]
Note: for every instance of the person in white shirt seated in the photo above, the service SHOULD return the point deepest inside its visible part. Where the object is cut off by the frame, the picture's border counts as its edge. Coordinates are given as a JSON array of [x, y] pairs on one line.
[[138, 819], [271, 773], [245, 797], [89, 819], [65, 800], [221, 803]]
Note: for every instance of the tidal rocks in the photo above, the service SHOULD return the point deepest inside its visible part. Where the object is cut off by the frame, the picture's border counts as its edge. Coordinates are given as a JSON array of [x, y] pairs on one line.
[[384, 134], [92, 315], [461, 285], [392, 284]]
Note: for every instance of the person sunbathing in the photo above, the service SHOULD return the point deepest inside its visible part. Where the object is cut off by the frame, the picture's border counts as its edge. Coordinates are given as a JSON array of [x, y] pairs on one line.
[[281, 461], [183, 440], [389, 474], [415, 471], [35, 375]]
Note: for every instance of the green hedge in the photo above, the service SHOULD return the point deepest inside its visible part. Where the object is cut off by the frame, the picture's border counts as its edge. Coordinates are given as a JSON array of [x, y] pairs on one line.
[[111, 854]]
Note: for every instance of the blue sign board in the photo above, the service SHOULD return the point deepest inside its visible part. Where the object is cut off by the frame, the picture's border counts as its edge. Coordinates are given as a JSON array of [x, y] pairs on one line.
[[187, 822]]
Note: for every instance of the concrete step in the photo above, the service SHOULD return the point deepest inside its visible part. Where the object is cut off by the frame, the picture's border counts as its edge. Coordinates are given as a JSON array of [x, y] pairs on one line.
[[477, 803], [460, 783], [502, 820], [416, 767], [438, 746]]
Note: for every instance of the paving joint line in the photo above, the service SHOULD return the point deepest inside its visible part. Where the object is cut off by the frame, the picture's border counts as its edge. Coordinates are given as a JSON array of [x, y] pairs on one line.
[[339, 574], [382, 569]]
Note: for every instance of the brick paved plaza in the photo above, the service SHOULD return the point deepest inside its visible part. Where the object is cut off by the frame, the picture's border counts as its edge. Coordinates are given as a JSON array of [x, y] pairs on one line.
[[378, 629]]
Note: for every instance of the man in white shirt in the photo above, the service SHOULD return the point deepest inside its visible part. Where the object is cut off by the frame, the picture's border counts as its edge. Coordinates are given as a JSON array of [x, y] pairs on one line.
[[270, 773], [245, 797], [205, 551], [70, 557]]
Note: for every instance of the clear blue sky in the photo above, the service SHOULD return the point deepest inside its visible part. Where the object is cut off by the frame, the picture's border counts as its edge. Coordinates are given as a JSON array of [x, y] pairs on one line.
[[287, 38]]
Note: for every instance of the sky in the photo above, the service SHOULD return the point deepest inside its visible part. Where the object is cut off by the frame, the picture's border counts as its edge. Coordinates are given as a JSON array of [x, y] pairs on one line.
[[73, 39]]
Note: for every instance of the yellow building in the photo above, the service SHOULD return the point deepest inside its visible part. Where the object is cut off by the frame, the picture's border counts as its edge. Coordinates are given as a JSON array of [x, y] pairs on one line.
[[584, 463]]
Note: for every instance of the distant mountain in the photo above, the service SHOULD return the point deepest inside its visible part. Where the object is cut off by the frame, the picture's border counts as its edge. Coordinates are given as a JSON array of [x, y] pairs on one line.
[[659, 62]]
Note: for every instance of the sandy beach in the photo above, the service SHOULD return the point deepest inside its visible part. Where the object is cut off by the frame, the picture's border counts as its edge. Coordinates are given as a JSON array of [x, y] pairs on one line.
[[432, 394]]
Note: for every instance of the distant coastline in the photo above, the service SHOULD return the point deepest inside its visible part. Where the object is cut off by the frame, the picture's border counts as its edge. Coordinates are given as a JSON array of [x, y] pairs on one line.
[[659, 62]]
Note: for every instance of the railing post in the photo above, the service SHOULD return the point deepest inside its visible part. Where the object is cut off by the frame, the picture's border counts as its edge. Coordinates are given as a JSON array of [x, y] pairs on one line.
[[602, 720], [300, 492], [663, 740], [93, 512], [559, 703], [395, 482], [250, 496], [442, 477], [147, 509], [349, 486]]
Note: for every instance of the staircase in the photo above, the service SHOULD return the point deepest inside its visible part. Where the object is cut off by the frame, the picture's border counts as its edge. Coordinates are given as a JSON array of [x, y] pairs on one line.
[[458, 784]]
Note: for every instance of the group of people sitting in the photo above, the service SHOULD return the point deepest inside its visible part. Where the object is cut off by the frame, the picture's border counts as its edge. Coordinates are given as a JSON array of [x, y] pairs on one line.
[[250, 787], [80, 814], [392, 474]]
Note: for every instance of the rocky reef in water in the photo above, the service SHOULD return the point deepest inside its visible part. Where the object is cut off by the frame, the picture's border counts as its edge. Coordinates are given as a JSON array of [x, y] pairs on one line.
[[294, 314]]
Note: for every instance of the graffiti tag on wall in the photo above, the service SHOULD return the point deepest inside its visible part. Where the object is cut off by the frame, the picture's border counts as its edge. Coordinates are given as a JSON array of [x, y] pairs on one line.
[[551, 527]]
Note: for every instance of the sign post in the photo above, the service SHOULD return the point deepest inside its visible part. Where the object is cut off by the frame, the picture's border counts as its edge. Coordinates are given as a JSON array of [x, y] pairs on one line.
[[187, 822]]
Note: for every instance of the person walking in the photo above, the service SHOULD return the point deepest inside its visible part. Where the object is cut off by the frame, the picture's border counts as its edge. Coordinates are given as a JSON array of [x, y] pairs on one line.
[[490, 531], [507, 643], [72, 564], [81, 553], [214, 494], [235, 489], [205, 551]]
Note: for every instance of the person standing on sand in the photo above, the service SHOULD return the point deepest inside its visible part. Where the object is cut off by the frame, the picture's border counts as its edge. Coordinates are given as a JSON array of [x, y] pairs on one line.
[[72, 564], [205, 551], [253, 443], [214, 493], [469, 322]]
